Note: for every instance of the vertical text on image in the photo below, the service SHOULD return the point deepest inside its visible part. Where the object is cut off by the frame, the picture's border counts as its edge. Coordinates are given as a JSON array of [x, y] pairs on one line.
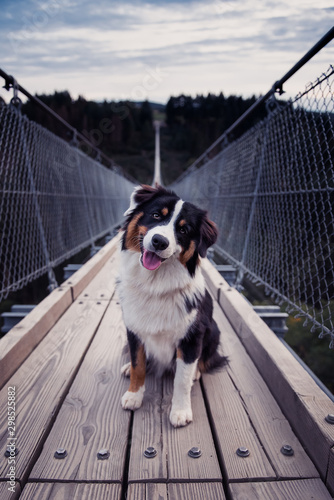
[[11, 440]]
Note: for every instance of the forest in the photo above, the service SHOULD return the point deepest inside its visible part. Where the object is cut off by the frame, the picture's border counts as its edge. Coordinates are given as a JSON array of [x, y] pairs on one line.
[[124, 130]]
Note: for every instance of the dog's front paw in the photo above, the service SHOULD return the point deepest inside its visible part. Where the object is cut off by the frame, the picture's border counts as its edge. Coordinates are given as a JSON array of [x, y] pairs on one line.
[[180, 417], [133, 400]]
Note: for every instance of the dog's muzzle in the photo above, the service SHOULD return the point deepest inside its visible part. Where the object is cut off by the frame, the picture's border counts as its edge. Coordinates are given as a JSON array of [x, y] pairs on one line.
[[150, 259]]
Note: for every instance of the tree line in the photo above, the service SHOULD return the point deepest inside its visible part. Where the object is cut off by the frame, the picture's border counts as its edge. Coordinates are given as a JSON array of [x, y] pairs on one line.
[[124, 130]]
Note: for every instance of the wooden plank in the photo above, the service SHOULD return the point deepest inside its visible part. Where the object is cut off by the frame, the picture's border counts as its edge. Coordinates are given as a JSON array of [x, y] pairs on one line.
[[102, 286], [301, 400], [79, 280], [146, 431], [22, 339], [213, 279], [6, 494], [207, 491], [43, 380], [304, 489], [234, 430], [73, 491], [180, 440], [147, 491], [176, 491], [91, 417], [151, 427], [303, 403], [330, 474], [272, 428]]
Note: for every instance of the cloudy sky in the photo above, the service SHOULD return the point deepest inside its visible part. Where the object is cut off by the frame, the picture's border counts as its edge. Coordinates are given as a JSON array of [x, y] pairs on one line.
[[106, 49]]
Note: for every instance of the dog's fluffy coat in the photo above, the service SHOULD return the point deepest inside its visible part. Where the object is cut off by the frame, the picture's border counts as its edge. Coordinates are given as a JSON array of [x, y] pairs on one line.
[[166, 307]]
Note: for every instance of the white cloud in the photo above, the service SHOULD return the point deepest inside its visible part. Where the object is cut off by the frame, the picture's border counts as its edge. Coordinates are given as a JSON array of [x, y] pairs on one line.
[[103, 49]]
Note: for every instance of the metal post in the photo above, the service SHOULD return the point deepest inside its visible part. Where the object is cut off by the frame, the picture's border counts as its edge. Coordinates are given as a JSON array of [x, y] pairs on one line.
[[157, 169], [252, 210]]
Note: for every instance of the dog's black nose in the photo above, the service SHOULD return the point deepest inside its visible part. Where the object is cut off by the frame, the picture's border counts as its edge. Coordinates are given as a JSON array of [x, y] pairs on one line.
[[159, 242]]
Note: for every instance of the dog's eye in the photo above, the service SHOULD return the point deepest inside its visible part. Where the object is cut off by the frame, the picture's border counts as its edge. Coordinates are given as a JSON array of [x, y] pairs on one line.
[[156, 215], [183, 230]]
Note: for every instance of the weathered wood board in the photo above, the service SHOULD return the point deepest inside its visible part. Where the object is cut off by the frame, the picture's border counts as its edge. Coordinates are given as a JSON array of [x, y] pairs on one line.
[[180, 440], [265, 416], [214, 280], [147, 491], [91, 417], [234, 430], [102, 286], [43, 380], [302, 489], [147, 431], [84, 275], [176, 491], [6, 494], [303, 403], [151, 427], [20, 341], [71, 491]]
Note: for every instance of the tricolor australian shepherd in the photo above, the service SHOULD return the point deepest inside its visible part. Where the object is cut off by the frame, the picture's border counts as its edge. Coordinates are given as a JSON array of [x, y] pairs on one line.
[[166, 308]]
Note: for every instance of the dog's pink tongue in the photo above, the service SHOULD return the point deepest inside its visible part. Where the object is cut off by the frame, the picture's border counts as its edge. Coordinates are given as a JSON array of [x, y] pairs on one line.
[[151, 260]]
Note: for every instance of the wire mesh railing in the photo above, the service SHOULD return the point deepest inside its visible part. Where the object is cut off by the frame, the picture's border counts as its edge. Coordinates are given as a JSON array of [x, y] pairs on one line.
[[271, 193], [54, 200]]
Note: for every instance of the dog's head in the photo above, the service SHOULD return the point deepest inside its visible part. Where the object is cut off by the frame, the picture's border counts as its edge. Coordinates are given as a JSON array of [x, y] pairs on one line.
[[161, 226]]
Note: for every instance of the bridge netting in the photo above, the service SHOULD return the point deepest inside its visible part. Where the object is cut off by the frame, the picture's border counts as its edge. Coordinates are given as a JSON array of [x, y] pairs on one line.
[[54, 200], [271, 193]]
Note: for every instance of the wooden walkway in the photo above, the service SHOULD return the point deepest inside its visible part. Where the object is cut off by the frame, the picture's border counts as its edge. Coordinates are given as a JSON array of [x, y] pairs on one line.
[[63, 363]]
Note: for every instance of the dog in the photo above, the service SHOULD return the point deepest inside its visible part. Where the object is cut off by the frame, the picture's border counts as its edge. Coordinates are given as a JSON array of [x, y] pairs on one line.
[[166, 308]]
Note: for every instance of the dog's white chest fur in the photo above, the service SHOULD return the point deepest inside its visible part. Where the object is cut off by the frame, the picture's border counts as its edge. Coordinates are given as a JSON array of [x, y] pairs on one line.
[[154, 303]]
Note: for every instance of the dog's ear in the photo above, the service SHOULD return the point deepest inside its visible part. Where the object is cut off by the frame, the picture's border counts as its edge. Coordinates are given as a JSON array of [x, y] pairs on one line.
[[141, 194], [209, 234]]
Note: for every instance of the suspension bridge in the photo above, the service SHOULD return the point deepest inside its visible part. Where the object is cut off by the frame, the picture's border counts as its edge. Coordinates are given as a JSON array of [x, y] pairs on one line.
[[263, 428]]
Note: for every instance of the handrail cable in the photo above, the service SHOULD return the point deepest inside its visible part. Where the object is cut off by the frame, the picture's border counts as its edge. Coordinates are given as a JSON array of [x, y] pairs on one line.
[[10, 82]]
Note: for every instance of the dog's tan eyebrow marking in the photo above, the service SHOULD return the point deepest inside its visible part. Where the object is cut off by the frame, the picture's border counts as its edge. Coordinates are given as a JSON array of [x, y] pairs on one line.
[[186, 255], [182, 222], [137, 373], [164, 211]]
